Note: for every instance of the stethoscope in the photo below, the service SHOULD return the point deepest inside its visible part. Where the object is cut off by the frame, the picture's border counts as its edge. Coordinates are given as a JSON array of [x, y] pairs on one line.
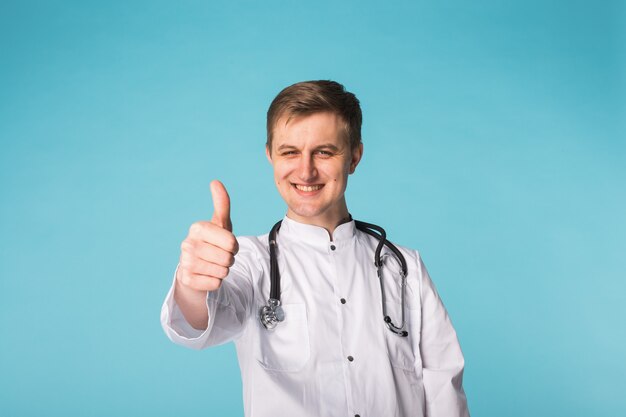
[[272, 313]]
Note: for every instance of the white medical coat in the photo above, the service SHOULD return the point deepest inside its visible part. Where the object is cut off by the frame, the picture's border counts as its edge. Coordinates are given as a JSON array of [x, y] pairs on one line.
[[333, 355]]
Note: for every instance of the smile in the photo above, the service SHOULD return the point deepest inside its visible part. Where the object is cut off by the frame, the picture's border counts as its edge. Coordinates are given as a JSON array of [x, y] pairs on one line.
[[308, 188]]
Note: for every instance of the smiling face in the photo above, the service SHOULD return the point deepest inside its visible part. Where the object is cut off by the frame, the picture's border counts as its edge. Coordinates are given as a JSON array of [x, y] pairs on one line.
[[312, 160]]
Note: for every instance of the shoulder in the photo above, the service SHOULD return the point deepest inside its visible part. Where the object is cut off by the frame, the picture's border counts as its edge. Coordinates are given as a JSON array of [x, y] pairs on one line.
[[415, 267], [412, 256]]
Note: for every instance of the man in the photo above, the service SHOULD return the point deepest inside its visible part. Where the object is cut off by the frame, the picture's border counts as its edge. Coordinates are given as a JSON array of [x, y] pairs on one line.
[[332, 354]]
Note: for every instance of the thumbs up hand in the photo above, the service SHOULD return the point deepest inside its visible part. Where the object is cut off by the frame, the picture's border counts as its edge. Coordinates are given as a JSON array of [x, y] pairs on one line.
[[209, 249]]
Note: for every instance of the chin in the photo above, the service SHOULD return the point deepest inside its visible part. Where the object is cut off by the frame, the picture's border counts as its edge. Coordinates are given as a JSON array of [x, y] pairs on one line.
[[308, 212]]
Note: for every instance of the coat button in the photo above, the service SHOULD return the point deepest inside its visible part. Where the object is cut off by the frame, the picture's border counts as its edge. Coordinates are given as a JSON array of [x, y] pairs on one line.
[[332, 247], [343, 301], [350, 358]]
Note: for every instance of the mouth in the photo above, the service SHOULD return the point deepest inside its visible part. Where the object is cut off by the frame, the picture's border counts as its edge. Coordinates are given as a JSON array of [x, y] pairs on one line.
[[307, 189]]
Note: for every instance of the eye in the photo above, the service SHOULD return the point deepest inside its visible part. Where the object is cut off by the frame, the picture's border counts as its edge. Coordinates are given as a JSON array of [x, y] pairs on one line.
[[324, 153], [288, 153]]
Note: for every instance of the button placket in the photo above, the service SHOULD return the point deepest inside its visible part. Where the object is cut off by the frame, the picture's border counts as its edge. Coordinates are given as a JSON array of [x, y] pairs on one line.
[[338, 290]]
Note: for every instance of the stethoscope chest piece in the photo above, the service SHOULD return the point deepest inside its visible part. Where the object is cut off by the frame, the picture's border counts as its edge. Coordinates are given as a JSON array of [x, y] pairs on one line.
[[271, 314]]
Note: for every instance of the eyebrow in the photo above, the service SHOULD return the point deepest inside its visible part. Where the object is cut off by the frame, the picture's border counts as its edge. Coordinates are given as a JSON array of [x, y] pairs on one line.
[[324, 146]]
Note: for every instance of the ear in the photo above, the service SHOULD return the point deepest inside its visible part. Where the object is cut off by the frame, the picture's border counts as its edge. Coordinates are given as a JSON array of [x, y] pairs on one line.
[[357, 153], [267, 153]]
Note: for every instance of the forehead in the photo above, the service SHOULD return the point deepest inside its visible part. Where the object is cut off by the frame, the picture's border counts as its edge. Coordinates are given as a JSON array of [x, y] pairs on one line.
[[302, 129]]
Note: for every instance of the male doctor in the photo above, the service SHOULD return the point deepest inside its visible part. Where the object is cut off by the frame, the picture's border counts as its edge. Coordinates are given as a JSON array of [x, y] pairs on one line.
[[332, 355]]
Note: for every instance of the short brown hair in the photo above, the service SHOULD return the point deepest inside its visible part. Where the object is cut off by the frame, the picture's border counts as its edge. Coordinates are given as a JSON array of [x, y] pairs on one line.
[[308, 97]]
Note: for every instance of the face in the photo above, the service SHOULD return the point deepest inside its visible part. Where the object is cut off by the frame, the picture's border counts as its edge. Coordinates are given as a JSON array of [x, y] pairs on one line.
[[312, 160]]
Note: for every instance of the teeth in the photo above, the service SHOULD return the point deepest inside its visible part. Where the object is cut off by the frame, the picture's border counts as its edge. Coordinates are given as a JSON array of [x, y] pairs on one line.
[[308, 188]]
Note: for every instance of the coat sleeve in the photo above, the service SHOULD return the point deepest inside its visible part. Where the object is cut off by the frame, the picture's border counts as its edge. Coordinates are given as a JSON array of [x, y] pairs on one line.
[[442, 359], [229, 308]]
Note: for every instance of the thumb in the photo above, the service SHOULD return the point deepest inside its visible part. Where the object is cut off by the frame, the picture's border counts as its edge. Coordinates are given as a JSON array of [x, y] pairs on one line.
[[221, 206]]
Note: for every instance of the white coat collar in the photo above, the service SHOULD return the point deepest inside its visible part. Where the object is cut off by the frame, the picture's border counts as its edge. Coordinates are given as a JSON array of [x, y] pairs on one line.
[[316, 235]]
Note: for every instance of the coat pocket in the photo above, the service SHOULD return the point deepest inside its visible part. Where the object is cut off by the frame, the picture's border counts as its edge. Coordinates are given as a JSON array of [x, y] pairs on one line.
[[403, 350], [286, 347]]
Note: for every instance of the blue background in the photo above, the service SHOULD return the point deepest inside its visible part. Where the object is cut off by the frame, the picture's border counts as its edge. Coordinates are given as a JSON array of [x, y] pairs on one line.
[[494, 137]]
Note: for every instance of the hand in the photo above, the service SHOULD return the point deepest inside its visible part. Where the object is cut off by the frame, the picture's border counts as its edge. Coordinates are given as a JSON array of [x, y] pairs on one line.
[[209, 249]]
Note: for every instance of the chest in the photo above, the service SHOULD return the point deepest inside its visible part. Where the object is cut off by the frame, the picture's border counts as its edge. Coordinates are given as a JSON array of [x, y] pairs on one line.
[[333, 304]]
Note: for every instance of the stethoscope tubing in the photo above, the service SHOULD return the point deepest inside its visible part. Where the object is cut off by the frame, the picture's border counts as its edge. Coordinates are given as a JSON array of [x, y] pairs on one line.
[[271, 314]]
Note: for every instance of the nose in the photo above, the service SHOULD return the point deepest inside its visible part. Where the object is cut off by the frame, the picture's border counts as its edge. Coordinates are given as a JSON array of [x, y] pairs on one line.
[[307, 171]]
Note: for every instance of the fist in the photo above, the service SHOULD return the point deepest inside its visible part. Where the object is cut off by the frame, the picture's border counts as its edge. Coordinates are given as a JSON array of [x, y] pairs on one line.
[[209, 249]]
